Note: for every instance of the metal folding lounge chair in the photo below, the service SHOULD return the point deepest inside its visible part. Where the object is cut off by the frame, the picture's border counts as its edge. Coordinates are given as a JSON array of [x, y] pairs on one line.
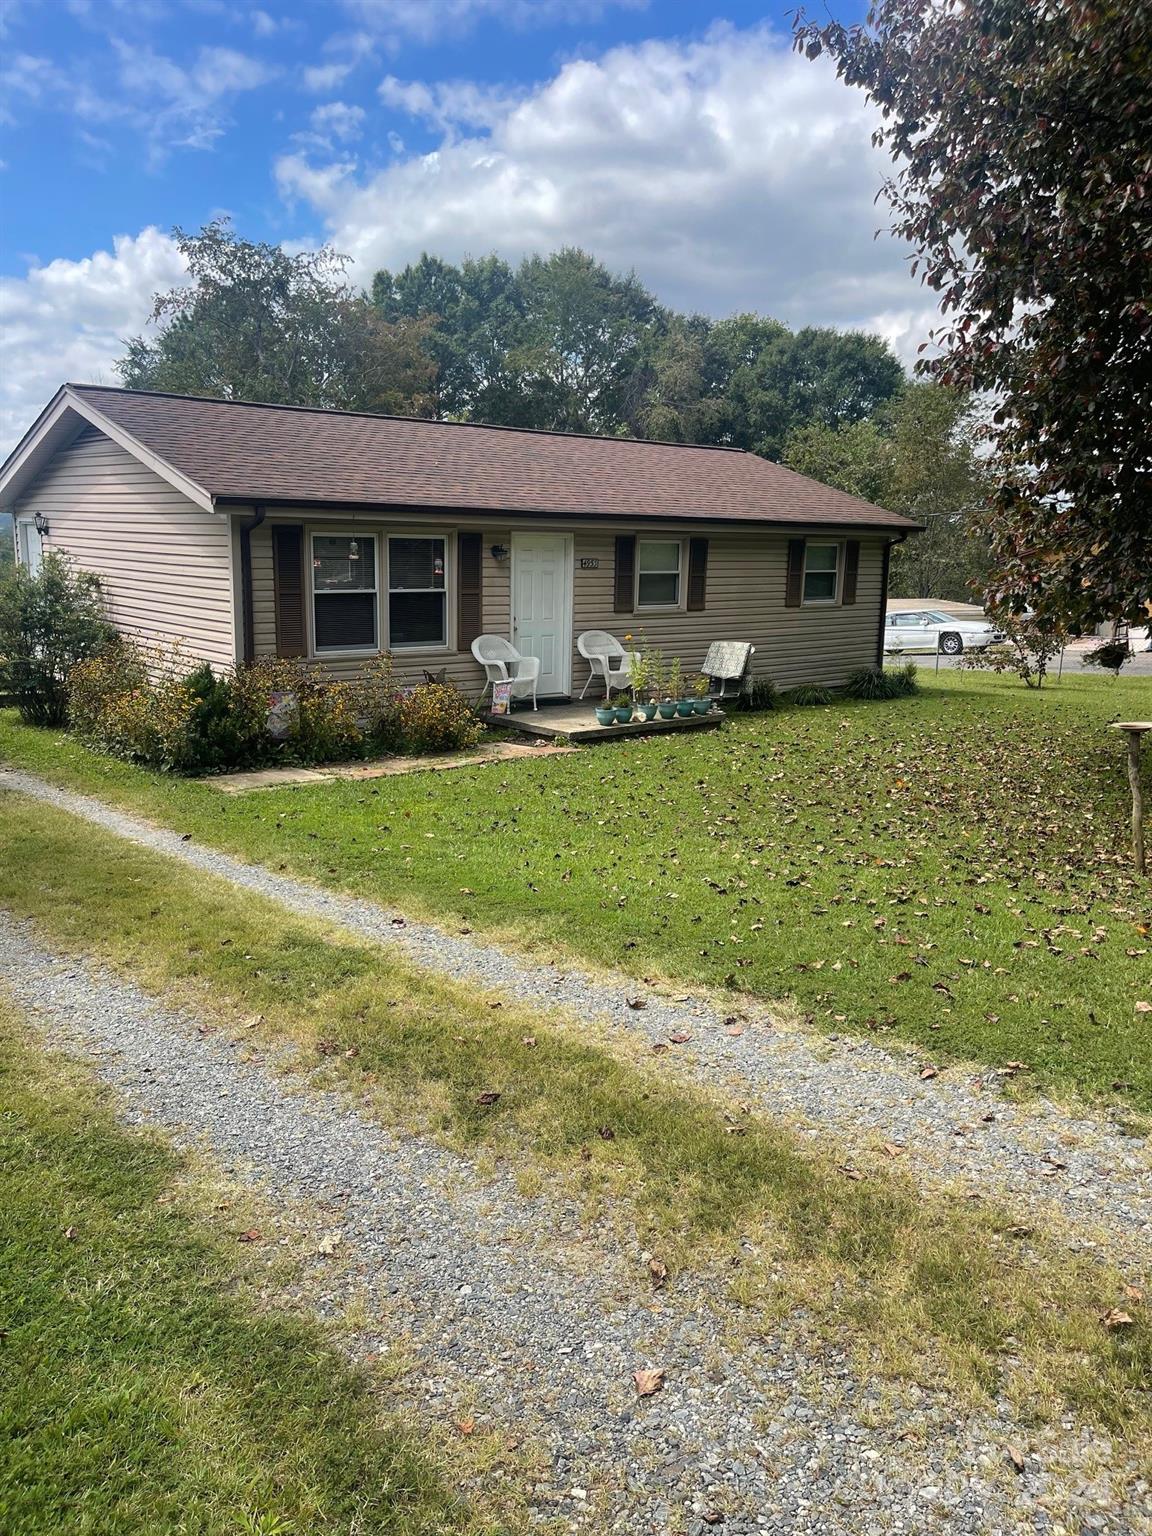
[[729, 665]]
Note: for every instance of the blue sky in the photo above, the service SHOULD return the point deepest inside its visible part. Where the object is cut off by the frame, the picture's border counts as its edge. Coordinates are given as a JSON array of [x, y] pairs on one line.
[[682, 139]]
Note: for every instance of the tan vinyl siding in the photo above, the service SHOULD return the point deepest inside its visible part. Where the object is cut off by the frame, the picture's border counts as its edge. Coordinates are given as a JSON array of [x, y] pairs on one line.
[[745, 600], [165, 565]]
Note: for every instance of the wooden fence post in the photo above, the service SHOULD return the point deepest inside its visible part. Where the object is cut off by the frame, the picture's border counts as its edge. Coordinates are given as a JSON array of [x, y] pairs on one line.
[[1134, 729]]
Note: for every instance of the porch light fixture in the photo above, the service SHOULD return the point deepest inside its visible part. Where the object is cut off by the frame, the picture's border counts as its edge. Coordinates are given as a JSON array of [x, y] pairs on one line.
[[41, 524], [499, 552]]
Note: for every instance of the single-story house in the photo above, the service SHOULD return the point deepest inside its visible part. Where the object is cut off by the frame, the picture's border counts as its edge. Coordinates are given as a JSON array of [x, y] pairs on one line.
[[246, 530]]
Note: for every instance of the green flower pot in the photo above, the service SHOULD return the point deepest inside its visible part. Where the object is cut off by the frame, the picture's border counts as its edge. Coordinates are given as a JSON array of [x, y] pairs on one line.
[[685, 707], [666, 711], [606, 716], [648, 711], [624, 716], [702, 706]]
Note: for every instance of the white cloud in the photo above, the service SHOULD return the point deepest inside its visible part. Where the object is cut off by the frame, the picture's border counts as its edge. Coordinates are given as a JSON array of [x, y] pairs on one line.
[[731, 173], [448, 104], [428, 20], [337, 121], [262, 24], [68, 320]]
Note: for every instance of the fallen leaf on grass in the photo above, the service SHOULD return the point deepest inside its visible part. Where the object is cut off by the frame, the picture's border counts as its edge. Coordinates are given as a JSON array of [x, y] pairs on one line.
[[659, 1272], [927, 1072], [648, 1382], [489, 1096], [1144, 1007], [712, 1517], [735, 1030], [1133, 1293], [528, 1040], [891, 1149], [253, 1235], [1053, 1162], [466, 1426], [849, 1172], [637, 1002], [606, 1133], [680, 1036], [1116, 1317], [329, 1243], [70, 1234], [1016, 1457]]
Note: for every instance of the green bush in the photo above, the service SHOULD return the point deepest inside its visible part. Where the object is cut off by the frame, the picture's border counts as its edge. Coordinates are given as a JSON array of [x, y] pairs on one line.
[[810, 693], [152, 710], [882, 682], [436, 717], [764, 695], [48, 623]]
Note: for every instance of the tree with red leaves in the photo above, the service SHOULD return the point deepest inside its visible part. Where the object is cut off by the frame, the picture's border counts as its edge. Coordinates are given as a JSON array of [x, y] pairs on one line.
[[1021, 132]]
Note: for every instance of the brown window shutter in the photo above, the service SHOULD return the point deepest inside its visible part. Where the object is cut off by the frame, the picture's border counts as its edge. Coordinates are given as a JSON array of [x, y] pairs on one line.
[[625, 574], [794, 586], [469, 589], [851, 571], [697, 574], [288, 579]]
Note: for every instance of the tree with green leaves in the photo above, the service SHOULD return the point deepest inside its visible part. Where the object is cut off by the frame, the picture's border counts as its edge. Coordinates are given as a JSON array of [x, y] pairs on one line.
[[256, 323], [920, 455], [1021, 134]]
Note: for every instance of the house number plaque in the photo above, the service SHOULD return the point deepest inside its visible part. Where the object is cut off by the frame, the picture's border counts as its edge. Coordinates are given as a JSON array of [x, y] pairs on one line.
[[588, 564]]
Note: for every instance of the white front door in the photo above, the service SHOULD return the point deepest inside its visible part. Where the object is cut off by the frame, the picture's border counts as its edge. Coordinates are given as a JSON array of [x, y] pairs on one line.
[[542, 606]]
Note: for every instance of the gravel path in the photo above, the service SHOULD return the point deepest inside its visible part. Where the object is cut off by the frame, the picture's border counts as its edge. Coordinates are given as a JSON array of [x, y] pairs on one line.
[[956, 1127], [519, 1318]]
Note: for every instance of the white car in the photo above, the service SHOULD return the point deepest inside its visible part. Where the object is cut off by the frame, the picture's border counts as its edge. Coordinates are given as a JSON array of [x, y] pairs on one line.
[[927, 629]]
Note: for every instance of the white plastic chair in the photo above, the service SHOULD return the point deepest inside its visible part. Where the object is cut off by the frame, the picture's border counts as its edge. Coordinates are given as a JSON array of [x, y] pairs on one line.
[[503, 663], [607, 658]]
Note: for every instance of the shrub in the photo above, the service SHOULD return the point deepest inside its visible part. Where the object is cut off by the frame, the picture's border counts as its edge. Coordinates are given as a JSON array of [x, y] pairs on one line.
[[1112, 655], [436, 717], [764, 695], [48, 623], [882, 682], [810, 693], [1029, 646], [378, 703]]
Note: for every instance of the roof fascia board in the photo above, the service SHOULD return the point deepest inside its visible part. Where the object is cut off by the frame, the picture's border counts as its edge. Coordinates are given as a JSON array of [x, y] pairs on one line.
[[497, 514], [23, 464]]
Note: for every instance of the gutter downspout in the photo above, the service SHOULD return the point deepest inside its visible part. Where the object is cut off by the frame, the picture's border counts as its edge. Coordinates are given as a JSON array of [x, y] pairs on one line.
[[246, 530], [884, 573]]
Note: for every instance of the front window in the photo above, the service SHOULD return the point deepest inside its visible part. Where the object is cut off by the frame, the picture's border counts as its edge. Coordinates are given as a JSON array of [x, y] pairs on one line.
[[344, 592], [417, 603], [821, 572], [657, 573]]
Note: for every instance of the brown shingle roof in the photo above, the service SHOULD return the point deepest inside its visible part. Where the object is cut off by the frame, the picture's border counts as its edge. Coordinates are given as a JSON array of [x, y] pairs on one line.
[[247, 452]]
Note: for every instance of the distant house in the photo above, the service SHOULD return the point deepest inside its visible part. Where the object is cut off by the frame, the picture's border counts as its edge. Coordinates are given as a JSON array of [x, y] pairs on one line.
[[250, 530]]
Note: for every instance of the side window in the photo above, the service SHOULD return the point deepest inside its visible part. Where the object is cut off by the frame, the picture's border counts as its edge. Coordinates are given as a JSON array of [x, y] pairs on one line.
[[658, 573], [417, 598], [821, 572], [344, 592]]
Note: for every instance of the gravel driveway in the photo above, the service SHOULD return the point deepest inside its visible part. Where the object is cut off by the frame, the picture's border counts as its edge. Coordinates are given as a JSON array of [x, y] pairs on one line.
[[519, 1317], [957, 1127]]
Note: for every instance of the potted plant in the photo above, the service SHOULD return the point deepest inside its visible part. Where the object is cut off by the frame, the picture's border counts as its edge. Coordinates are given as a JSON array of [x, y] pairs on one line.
[[605, 714], [622, 707], [702, 702]]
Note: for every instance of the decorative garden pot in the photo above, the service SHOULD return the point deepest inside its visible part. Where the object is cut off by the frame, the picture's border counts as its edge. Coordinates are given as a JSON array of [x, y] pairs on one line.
[[606, 716], [702, 706], [685, 707], [624, 716], [648, 711], [666, 711]]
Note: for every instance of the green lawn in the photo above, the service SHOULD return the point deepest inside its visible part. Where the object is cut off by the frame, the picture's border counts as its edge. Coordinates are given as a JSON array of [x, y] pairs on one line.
[[921, 1283], [951, 869], [146, 1389]]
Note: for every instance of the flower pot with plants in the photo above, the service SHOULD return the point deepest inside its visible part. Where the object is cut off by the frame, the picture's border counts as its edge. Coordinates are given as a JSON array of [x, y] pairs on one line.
[[648, 709], [622, 706], [605, 714], [685, 707], [701, 702], [666, 709]]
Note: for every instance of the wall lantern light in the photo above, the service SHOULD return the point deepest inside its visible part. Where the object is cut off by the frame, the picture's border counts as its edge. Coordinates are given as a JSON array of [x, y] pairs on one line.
[[41, 523], [499, 552]]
